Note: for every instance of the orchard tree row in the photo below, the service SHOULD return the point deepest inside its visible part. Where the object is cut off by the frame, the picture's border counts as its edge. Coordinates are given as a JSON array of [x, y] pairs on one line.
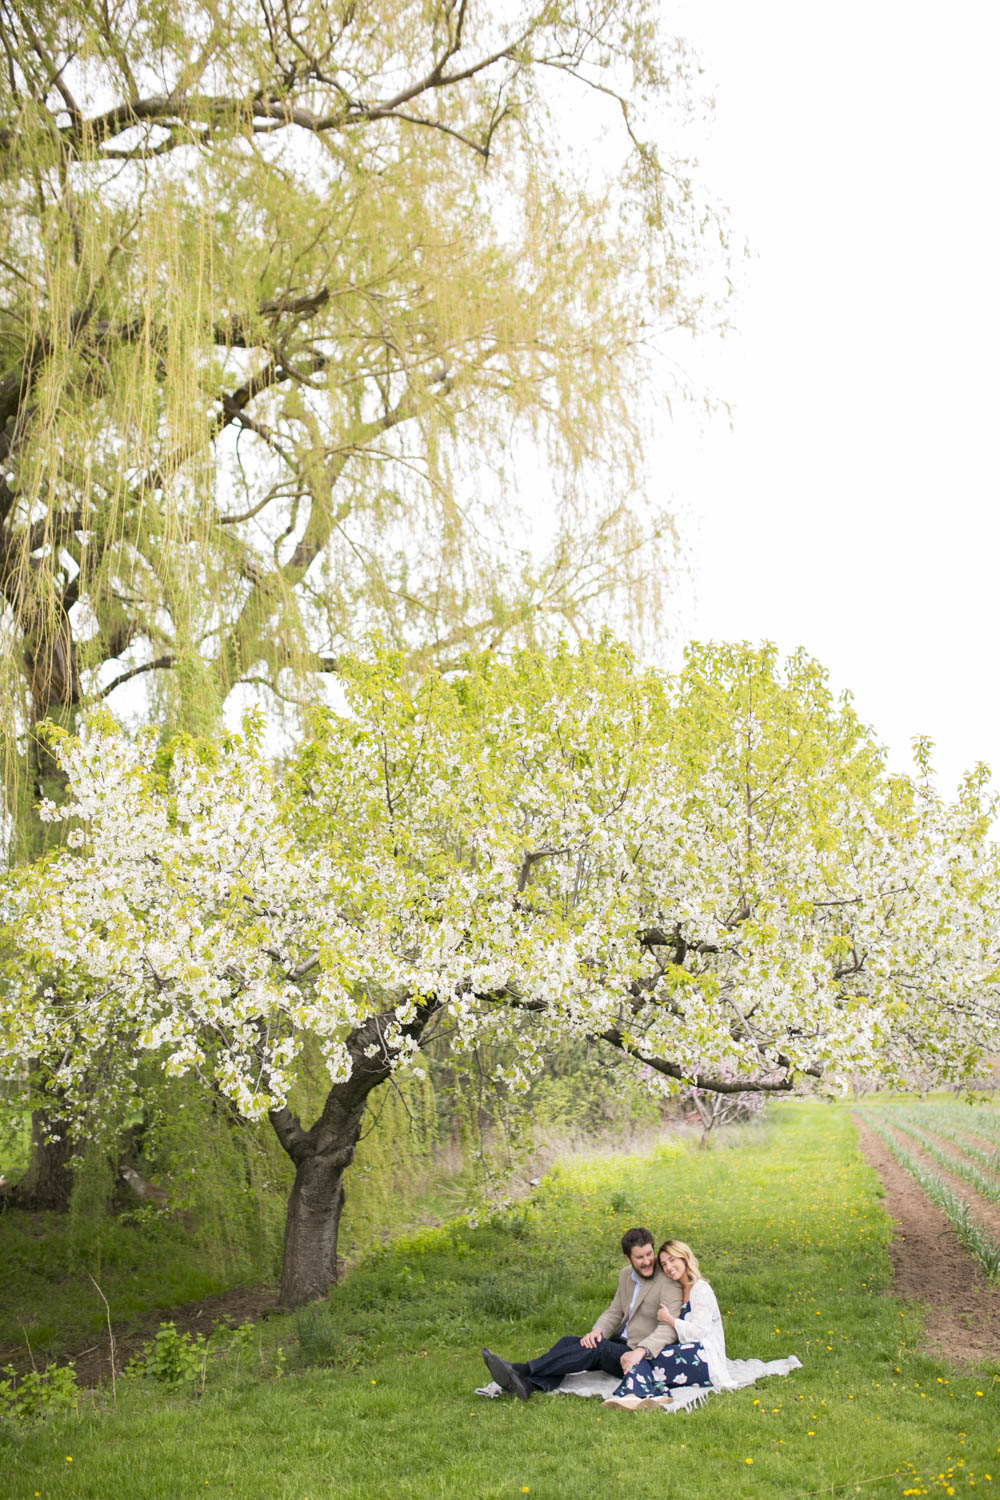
[[713, 875]]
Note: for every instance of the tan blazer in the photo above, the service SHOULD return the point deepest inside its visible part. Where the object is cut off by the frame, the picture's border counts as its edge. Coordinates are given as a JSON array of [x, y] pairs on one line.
[[643, 1327]]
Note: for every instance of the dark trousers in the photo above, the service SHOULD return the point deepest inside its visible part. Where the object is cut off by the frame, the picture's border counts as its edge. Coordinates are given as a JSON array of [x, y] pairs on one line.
[[569, 1356]]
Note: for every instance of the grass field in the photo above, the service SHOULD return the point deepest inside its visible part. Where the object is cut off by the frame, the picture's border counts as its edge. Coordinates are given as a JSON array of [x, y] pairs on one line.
[[371, 1394], [48, 1298]]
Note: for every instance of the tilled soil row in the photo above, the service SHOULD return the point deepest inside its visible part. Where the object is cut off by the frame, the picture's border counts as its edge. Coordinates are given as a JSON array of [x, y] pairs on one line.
[[958, 1148], [933, 1267], [980, 1142], [987, 1212]]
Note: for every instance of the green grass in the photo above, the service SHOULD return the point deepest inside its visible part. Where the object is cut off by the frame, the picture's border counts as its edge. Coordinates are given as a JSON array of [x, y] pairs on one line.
[[49, 1302], [791, 1232]]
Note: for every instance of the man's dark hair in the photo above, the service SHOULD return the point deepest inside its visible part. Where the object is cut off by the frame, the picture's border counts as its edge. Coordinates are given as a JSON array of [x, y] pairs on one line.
[[632, 1239]]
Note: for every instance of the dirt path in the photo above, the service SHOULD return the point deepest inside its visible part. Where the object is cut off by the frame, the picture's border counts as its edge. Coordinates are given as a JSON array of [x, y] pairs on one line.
[[931, 1266]]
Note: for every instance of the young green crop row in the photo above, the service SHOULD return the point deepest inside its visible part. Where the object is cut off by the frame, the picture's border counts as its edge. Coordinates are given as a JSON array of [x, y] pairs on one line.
[[979, 1119], [973, 1234], [987, 1184], [955, 1128]]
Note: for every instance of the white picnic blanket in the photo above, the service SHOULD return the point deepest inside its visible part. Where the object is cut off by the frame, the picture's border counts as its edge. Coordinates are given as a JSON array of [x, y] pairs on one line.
[[741, 1372]]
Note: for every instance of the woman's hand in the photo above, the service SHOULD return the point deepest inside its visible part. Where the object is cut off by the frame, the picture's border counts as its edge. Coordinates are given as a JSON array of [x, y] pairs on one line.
[[664, 1315]]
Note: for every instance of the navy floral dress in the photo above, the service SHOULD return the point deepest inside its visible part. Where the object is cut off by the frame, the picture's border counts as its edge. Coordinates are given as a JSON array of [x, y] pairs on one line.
[[677, 1364]]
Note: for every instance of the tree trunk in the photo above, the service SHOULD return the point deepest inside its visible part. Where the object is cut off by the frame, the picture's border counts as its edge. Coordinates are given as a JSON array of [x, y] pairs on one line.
[[50, 661], [315, 1204], [48, 1182], [323, 1154]]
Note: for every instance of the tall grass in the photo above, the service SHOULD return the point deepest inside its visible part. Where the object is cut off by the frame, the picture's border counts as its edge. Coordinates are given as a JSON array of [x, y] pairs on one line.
[[959, 1128]]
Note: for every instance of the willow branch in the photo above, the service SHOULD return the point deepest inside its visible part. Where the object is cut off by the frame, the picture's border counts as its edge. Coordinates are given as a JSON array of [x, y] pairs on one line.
[[245, 635], [195, 117]]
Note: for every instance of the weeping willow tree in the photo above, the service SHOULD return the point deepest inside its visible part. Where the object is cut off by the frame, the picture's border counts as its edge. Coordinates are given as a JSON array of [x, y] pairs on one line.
[[289, 296], [289, 293]]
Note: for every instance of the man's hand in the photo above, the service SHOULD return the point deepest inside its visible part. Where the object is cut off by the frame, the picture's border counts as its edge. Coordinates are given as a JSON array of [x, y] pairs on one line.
[[632, 1357], [592, 1339]]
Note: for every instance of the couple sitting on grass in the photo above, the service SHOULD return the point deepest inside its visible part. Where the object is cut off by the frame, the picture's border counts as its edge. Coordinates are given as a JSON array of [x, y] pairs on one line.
[[662, 1330]]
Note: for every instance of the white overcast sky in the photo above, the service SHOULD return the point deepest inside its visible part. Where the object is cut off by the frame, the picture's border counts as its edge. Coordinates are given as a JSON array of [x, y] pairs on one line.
[[852, 507]]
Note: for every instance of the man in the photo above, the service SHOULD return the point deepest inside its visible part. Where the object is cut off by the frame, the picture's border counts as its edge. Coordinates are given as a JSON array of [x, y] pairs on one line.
[[625, 1332]]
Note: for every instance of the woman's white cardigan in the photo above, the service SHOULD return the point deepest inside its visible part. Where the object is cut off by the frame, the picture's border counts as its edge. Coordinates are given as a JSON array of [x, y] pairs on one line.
[[703, 1325]]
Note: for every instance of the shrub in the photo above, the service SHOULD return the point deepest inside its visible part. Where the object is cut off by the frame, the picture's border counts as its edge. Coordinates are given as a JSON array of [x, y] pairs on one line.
[[31, 1397], [172, 1358], [621, 1203]]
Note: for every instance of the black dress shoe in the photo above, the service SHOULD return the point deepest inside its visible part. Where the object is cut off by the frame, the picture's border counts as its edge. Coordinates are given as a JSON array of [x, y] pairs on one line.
[[506, 1376]]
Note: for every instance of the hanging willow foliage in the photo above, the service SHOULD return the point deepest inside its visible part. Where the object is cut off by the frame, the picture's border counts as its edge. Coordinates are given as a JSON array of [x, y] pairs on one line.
[[288, 292]]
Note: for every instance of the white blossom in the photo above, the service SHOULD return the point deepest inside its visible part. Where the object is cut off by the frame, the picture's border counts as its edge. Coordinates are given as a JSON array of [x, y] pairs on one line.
[[567, 863]]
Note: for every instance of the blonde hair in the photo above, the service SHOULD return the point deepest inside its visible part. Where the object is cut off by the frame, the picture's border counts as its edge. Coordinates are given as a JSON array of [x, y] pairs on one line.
[[682, 1252]]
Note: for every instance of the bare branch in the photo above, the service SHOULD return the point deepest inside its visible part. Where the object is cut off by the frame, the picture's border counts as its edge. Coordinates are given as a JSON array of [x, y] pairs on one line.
[[287, 1127], [149, 666], [530, 860], [480, 147], [782, 1085]]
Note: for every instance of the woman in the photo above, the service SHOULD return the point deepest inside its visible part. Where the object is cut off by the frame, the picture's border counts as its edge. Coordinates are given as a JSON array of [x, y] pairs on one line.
[[699, 1356]]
